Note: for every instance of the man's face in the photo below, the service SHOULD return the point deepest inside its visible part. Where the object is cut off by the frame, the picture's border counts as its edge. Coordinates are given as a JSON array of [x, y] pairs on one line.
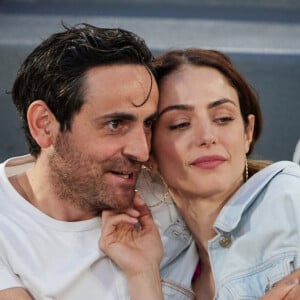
[[96, 164]]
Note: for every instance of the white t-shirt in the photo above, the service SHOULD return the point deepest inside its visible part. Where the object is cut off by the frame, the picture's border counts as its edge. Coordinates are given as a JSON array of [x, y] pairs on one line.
[[51, 258]]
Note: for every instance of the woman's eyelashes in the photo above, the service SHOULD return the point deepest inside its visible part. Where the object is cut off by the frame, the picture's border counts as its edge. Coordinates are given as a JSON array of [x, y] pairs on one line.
[[223, 120], [184, 124], [178, 122], [180, 125]]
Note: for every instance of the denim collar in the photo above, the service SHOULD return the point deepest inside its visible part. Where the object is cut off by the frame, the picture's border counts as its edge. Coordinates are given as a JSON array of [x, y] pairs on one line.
[[231, 214]]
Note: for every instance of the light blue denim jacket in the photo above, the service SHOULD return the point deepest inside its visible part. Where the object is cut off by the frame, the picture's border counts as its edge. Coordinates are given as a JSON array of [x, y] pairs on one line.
[[257, 241], [258, 230]]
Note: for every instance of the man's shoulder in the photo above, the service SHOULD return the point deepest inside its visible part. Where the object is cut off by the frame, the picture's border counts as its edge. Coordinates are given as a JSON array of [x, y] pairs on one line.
[[9, 168], [17, 165]]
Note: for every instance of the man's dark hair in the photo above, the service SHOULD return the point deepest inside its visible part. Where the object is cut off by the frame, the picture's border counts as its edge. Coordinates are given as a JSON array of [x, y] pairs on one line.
[[54, 71]]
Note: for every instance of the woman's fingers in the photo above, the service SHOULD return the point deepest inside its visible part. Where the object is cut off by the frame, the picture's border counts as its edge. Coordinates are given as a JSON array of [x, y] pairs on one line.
[[114, 228], [145, 217], [112, 220], [282, 290], [120, 228]]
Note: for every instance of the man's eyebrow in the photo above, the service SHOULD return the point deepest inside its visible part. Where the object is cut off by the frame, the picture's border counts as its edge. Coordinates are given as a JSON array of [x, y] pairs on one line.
[[220, 102], [123, 116], [118, 115], [153, 116], [176, 107]]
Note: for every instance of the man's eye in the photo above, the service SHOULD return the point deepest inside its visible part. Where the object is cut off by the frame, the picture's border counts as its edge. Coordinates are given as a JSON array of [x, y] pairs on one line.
[[114, 125], [148, 124]]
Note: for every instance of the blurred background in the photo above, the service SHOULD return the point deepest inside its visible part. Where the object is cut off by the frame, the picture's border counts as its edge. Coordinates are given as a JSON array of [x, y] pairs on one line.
[[262, 37]]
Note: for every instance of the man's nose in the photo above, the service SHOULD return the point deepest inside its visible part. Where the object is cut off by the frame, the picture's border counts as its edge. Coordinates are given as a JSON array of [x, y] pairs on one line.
[[138, 145]]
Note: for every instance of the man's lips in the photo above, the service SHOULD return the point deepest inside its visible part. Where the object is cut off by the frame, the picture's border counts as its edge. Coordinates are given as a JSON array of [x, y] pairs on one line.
[[125, 175], [128, 175], [208, 162]]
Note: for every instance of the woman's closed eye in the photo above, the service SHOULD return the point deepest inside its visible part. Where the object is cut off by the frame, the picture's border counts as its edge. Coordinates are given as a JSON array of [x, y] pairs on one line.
[[180, 125], [223, 120]]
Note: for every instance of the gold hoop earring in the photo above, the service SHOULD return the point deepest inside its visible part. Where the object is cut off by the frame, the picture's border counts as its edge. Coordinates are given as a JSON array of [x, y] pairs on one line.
[[152, 178], [246, 176], [154, 190], [166, 194]]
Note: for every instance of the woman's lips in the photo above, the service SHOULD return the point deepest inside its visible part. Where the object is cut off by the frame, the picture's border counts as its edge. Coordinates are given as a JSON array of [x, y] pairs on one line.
[[208, 162]]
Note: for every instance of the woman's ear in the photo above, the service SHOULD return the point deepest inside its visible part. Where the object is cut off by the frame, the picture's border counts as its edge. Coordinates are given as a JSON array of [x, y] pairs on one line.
[[249, 132], [42, 123]]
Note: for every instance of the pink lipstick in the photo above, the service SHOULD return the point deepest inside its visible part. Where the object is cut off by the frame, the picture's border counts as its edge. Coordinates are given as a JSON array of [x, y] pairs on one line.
[[208, 162]]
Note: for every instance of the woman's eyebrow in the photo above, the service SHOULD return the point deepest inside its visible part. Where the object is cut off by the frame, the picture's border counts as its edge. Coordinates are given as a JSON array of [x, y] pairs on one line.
[[176, 107], [191, 108], [220, 102]]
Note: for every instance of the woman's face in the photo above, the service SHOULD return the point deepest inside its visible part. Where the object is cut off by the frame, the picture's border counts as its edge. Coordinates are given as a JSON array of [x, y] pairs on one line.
[[200, 140]]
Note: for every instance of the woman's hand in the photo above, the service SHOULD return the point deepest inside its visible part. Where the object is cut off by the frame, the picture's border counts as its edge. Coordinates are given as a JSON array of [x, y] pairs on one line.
[[288, 288], [131, 239]]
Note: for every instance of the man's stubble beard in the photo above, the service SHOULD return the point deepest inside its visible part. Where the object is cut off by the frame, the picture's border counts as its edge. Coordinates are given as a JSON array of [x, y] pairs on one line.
[[80, 180]]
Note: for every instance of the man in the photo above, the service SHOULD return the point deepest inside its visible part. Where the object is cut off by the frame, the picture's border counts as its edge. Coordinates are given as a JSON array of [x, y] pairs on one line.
[[87, 99]]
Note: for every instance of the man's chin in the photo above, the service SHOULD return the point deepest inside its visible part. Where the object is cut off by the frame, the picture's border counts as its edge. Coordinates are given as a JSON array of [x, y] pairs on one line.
[[122, 200]]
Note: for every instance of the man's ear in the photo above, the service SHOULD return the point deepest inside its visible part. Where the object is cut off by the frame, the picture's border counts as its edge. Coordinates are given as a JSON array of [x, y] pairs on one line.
[[42, 124]]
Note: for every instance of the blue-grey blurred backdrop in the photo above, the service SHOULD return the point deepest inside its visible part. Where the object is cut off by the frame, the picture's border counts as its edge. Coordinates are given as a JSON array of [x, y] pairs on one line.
[[262, 37]]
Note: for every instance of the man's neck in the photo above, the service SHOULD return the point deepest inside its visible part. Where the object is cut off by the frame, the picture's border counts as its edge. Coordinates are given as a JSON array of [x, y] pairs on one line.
[[35, 186]]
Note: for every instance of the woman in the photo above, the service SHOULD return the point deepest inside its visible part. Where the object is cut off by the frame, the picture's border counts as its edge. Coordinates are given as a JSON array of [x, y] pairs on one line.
[[243, 214]]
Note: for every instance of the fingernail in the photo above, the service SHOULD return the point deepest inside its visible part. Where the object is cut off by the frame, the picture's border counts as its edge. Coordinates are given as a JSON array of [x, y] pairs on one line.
[[139, 194], [135, 213], [137, 226]]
